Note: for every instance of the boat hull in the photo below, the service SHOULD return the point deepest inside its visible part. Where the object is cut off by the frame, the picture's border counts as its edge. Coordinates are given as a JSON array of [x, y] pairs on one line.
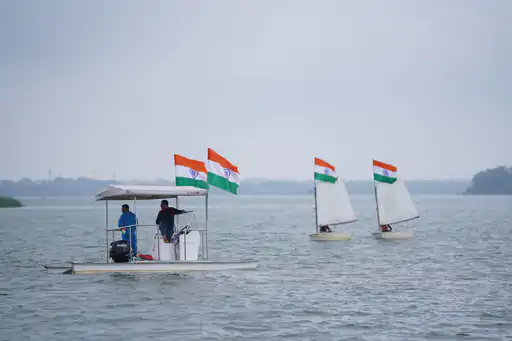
[[404, 234], [159, 267], [332, 236]]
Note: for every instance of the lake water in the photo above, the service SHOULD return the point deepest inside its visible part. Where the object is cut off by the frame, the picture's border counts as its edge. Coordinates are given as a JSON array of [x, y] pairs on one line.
[[453, 281]]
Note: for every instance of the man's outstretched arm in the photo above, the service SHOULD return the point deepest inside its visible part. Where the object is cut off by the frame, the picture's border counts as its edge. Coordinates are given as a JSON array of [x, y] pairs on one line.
[[176, 211]]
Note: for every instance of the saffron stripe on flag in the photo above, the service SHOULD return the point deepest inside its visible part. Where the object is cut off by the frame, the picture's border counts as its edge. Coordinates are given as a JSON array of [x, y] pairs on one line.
[[322, 163], [384, 165], [194, 164], [213, 156]]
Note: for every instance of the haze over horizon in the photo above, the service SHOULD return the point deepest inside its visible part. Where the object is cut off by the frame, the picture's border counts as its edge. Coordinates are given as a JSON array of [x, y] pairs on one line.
[[171, 179], [96, 88]]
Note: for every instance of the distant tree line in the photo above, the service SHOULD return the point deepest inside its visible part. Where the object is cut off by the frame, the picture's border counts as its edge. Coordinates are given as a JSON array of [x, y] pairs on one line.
[[88, 187], [492, 181], [6, 202]]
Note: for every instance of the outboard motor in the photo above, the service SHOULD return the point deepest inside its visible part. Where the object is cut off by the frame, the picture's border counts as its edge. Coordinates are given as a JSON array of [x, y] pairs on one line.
[[120, 251]]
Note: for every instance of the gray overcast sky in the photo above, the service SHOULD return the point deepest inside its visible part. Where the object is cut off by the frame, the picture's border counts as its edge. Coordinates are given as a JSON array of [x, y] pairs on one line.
[[119, 86]]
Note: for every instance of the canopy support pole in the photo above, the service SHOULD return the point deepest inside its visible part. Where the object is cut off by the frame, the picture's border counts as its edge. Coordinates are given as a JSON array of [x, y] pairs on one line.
[[206, 228], [133, 227], [184, 235], [106, 225], [177, 216], [316, 210]]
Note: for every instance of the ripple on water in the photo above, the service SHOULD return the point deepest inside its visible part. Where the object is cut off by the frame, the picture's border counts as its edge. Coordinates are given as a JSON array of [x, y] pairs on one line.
[[451, 282]]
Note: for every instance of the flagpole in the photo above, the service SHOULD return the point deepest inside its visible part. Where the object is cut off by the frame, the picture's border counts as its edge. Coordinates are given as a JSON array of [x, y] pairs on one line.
[[206, 226]]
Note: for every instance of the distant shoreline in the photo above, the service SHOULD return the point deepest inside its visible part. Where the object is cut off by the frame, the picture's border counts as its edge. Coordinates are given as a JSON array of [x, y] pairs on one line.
[[217, 195], [84, 187], [8, 202]]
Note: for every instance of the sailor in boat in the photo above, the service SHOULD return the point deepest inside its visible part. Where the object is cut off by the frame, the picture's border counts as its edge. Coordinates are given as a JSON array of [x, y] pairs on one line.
[[128, 220], [165, 220], [386, 228], [325, 229]]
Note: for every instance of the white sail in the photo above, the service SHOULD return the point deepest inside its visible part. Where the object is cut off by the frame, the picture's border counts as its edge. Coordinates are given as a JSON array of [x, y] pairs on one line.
[[394, 203], [333, 204]]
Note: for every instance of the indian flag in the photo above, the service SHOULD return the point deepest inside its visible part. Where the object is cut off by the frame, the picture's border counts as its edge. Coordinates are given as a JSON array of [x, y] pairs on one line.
[[222, 173], [325, 171], [190, 172], [383, 172]]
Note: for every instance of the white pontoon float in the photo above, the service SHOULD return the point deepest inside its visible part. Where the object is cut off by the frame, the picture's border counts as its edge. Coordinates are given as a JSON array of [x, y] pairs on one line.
[[188, 253]]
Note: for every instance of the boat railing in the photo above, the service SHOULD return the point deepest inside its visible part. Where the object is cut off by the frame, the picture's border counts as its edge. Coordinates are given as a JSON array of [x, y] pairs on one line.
[[202, 235], [119, 229]]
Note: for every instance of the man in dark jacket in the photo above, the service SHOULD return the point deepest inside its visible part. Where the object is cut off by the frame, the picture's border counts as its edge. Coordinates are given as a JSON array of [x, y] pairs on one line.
[[165, 220]]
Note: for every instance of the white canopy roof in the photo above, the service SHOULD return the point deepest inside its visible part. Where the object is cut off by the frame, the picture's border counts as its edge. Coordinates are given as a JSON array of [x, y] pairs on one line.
[[143, 192]]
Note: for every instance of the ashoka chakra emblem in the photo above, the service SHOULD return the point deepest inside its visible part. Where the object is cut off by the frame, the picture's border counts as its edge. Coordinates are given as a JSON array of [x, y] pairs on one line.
[[227, 173], [193, 173]]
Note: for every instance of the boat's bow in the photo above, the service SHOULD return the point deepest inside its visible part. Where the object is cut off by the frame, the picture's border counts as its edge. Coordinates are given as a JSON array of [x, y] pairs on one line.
[[59, 269]]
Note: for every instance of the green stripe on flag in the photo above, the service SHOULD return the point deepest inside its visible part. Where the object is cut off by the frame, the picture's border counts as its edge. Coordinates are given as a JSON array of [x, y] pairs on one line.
[[182, 181], [222, 183], [325, 178], [382, 178]]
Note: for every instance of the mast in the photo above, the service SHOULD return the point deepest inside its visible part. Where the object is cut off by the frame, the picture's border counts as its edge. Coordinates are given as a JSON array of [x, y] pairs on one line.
[[314, 191], [376, 204]]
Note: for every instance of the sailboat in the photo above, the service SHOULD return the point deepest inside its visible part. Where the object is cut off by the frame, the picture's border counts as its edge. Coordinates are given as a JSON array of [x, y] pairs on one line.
[[393, 201], [332, 203]]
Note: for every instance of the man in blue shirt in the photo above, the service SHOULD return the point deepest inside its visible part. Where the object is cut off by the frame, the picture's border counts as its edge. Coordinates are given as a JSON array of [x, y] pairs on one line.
[[128, 220]]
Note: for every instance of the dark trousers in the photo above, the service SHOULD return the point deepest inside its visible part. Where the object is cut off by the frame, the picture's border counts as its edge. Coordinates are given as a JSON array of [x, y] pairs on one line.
[[166, 231], [126, 236]]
